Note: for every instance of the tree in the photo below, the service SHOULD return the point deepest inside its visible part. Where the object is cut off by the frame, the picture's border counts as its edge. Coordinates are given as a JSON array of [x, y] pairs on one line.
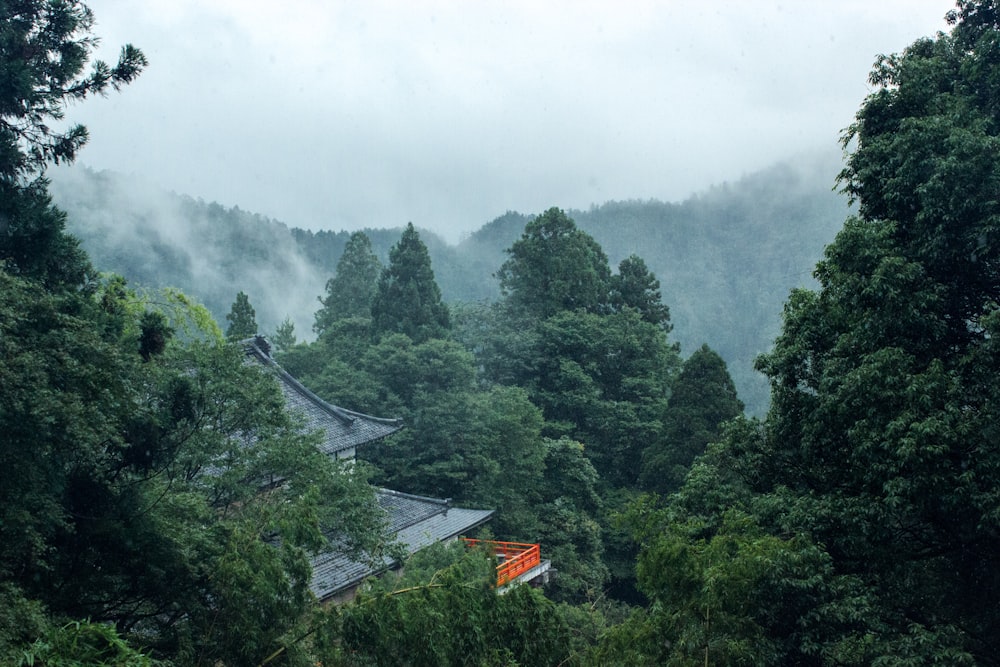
[[349, 293], [635, 286], [242, 319], [702, 399], [554, 266], [135, 491], [407, 299], [284, 335], [721, 596], [568, 511], [43, 50], [604, 380], [444, 610]]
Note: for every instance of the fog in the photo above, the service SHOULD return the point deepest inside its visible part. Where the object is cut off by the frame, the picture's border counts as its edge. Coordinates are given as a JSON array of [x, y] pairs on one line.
[[161, 240], [338, 115]]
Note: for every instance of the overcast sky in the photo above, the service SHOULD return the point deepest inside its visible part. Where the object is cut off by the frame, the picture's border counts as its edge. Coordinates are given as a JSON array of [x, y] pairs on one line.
[[340, 115]]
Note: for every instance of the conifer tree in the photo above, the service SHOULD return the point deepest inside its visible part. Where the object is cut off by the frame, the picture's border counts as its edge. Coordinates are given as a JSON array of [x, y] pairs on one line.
[[284, 336], [408, 299], [349, 293], [635, 286], [242, 319], [553, 267], [702, 399], [44, 48]]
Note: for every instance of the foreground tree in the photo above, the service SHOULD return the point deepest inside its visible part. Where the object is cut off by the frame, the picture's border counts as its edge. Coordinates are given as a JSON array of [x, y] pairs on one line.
[[133, 464], [880, 446], [444, 610], [44, 48], [134, 496]]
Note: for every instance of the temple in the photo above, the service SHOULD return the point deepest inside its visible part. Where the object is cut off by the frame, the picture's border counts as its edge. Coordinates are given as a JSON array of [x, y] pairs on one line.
[[413, 521]]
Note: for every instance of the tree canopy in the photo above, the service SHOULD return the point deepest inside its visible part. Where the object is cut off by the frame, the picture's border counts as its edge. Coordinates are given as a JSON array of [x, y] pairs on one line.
[[702, 399], [242, 319], [873, 479], [159, 503], [44, 48], [407, 299], [554, 266], [350, 291]]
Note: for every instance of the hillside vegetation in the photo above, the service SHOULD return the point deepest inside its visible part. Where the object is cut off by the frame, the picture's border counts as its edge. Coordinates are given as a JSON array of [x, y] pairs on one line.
[[159, 503], [726, 258]]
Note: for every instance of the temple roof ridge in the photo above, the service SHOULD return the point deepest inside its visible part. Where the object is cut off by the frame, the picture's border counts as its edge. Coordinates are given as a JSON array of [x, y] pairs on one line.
[[341, 427]]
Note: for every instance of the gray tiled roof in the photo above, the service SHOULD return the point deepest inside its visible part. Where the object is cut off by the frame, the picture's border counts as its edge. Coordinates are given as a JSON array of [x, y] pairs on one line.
[[342, 429], [417, 522]]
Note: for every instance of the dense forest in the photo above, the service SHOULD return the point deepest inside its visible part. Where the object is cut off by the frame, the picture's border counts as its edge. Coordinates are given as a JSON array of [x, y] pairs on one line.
[[726, 258], [159, 504]]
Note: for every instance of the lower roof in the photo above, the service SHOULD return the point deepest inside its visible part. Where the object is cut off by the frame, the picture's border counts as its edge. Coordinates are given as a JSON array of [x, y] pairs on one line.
[[416, 522]]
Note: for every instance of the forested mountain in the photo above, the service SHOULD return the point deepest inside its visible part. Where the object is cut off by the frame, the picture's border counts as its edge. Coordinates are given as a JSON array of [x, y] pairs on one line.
[[726, 258], [158, 504]]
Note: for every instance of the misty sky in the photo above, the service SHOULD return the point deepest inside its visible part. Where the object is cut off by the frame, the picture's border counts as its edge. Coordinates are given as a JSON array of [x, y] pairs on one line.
[[340, 115]]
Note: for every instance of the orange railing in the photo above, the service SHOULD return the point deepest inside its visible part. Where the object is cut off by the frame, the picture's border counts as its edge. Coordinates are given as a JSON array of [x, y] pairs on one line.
[[516, 558]]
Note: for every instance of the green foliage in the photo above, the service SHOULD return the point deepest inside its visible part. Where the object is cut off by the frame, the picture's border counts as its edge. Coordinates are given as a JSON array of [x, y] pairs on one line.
[[554, 267], [604, 380], [350, 292], [82, 644], [702, 399], [722, 595], [242, 319], [430, 386], [184, 315], [635, 286], [479, 445], [871, 487], [726, 257], [407, 299], [33, 242], [135, 489], [44, 47], [569, 531], [453, 618], [284, 336]]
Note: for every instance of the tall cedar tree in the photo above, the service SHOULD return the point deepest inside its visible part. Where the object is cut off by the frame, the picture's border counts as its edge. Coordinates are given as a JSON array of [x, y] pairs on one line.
[[44, 48], [408, 299], [702, 399], [242, 319], [349, 293]]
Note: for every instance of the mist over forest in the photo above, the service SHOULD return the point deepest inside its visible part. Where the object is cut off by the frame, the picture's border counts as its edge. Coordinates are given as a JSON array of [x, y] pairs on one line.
[[726, 258], [562, 379]]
